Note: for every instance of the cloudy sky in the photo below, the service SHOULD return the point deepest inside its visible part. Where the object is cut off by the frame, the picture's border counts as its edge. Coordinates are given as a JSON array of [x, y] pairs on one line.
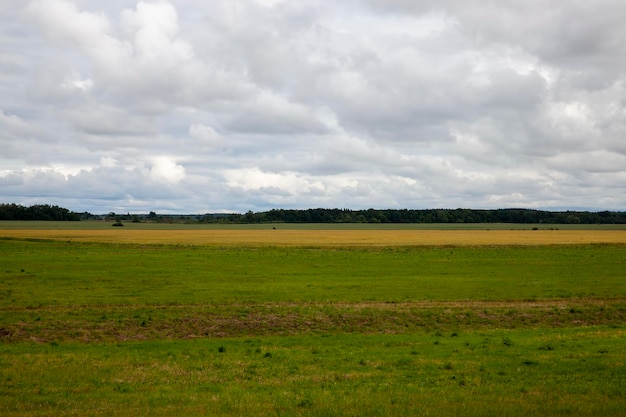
[[183, 106]]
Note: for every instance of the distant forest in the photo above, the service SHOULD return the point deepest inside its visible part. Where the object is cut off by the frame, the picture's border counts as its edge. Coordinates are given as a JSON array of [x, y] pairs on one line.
[[427, 216], [37, 212], [322, 215]]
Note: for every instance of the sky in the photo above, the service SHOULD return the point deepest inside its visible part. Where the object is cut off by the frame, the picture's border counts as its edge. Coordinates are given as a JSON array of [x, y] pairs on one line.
[[183, 106]]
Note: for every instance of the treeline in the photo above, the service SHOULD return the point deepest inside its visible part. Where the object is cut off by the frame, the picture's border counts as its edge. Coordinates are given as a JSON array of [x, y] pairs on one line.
[[37, 212], [320, 215]]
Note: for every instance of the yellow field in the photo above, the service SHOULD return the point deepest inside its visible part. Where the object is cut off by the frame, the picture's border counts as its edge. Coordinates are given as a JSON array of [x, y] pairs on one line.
[[329, 237]]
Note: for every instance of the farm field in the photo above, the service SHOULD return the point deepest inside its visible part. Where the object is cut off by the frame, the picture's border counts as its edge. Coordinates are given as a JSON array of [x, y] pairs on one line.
[[339, 235], [106, 225], [312, 322]]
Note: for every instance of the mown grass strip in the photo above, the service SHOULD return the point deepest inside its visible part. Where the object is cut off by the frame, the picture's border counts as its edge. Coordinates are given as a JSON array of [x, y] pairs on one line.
[[59, 273]]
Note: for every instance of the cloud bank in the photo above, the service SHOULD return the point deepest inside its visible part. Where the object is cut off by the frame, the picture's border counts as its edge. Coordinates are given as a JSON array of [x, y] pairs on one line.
[[194, 107]]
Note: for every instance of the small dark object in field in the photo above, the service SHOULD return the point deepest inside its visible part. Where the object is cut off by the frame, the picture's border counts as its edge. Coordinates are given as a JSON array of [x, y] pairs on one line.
[[222, 349], [118, 224], [305, 403], [5, 333]]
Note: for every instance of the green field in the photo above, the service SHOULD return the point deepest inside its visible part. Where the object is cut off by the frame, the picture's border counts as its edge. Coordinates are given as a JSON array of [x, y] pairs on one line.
[[43, 273], [142, 329]]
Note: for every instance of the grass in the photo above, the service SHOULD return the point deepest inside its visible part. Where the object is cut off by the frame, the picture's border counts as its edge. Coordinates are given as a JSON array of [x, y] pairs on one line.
[[374, 329], [472, 374], [60, 273]]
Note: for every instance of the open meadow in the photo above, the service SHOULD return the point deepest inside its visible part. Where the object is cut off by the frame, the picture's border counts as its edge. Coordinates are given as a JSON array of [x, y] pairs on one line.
[[166, 320]]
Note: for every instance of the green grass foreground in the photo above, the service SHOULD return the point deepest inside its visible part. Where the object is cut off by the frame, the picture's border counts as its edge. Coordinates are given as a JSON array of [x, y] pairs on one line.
[[543, 372], [163, 330]]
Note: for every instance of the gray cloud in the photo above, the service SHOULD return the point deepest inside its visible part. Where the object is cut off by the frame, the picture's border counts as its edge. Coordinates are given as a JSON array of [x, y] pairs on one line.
[[184, 106]]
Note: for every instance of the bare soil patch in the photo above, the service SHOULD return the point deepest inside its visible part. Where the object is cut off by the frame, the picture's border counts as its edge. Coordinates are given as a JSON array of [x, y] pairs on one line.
[[117, 323]]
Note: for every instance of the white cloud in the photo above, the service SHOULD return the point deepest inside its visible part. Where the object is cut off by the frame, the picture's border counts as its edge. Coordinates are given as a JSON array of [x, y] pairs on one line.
[[118, 105], [255, 179], [269, 3], [166, 169], [206, 135], [13, 124], [74, 82], [61, 21], [108, 162]]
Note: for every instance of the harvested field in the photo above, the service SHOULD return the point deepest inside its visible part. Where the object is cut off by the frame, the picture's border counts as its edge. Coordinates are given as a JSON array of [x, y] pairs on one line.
[[329, 238]]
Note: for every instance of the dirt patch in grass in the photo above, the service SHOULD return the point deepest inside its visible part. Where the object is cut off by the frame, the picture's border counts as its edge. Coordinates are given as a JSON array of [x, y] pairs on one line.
[[147, 322]]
